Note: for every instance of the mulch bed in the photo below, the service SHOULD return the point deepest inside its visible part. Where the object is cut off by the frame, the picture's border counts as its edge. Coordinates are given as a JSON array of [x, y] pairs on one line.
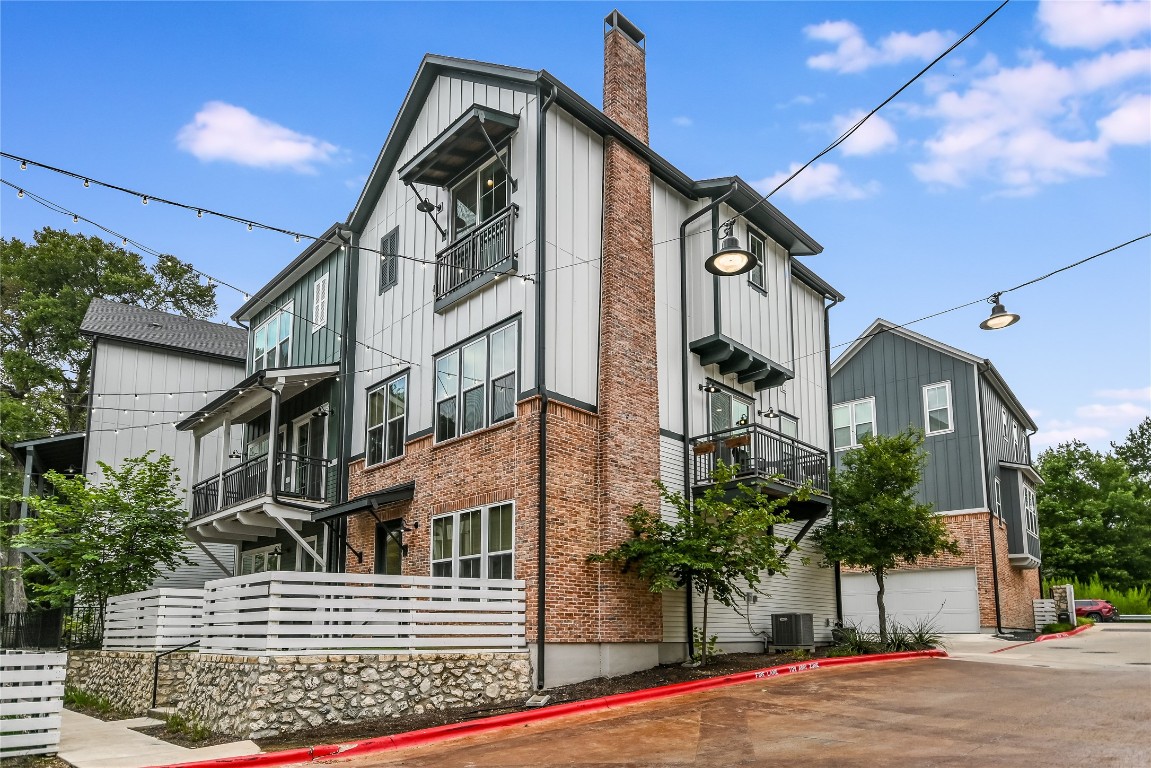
[[35, 761], [181, 738]]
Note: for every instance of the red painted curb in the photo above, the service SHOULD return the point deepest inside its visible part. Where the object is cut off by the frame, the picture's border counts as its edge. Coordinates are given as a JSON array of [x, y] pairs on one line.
[[1060, 635], [483, 725]]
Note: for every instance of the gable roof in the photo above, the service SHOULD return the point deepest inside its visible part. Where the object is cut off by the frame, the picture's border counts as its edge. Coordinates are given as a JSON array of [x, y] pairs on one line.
[[982, 364], [297, 267], [128, 322]]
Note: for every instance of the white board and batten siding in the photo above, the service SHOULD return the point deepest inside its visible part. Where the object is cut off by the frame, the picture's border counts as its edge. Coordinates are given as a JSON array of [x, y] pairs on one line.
[[946, 597], [304, 613], [153, 620], [31, 700]]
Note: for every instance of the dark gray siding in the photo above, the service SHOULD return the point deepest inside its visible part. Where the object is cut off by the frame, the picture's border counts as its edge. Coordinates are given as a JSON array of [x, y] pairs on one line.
[[1002, 426], [894, 371]]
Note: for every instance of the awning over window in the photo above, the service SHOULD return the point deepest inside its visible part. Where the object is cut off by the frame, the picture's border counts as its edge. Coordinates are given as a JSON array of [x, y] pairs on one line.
[[733, 357], [402, 492], [460, 145]]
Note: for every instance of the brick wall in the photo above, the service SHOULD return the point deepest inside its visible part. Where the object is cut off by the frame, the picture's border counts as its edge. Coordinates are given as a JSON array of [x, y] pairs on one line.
[[625, 83]]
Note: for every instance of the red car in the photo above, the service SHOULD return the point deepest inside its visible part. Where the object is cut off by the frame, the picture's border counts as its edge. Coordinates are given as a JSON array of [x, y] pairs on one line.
[[1096, 610]]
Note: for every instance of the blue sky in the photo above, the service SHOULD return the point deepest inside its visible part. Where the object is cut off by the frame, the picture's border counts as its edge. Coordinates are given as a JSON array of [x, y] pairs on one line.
[[1026, 149]]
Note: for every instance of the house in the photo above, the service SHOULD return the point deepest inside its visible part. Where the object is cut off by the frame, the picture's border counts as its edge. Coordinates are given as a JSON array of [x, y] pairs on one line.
[[979, 476], [149, 367]]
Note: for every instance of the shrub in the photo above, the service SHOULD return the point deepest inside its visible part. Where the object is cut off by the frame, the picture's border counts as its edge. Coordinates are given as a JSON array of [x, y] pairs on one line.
[[190, 729], [1059, 626], [1136, 600]]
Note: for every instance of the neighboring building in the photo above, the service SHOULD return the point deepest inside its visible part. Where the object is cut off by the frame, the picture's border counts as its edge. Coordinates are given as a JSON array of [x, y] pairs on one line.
[[264, 497], [979, 475], [147, 369]]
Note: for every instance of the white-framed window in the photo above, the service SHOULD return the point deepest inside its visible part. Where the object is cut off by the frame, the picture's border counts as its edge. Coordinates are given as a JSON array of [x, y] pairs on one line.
[[389, 260], [998, 490], [476, 383], [789, 425], [853, 421], [475, 543], [1030, 510], [273, 341], [480, 195], [1015, 438], [757, 245], [937, 416], [1003, 428], [320, 303], [387, 420], [260, 560]]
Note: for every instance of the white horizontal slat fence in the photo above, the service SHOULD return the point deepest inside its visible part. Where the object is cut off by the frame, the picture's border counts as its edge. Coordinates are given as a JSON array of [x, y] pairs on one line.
[[1045, 613], [153, 620], [287, 612], [31, 698]]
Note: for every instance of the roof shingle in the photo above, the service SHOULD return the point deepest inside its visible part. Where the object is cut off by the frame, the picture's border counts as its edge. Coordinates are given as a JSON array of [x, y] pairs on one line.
[[151, 326]]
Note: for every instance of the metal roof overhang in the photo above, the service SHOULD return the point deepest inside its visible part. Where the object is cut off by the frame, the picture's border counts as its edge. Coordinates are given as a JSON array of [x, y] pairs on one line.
[[460, 145], [1024, 469], [749, 366], [401, 492], [59, 452], [250, 399]]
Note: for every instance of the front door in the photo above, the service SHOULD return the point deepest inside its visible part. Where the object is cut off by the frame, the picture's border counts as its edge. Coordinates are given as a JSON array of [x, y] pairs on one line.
[[389, 548]]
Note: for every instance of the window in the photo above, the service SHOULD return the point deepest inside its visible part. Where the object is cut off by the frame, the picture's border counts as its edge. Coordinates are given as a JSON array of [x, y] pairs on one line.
[[474, 544], [319, 303], [852, 422], [480, 196], [1003, 428], [756, 244], [1015, 438], [273, 341], [387, 421], [1030, 511], [389, 260], [260, 560], [304, 561], [476, 384], [937, 408], [998, 498], [726, 411], [789, 425]]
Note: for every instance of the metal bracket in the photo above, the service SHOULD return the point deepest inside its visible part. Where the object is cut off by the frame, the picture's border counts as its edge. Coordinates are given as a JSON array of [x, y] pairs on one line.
[[429, 210], [512, 181]]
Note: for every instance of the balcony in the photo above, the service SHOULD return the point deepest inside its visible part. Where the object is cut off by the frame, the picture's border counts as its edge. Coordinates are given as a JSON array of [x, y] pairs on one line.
[[476, 259], [297, 477], [774, 462]]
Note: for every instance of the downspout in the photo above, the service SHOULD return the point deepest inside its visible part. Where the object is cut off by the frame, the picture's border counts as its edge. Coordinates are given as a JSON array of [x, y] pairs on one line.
[[339, 529], [684, 383], [990, 516], [831, 440], [541, 327]]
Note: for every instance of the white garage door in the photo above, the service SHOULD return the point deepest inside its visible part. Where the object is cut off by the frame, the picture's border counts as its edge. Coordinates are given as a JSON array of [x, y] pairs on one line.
[[948, 597]]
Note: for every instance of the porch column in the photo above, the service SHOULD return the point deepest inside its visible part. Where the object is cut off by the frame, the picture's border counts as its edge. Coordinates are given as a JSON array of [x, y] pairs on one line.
[[273, 436], [225, 441], [196, 437], [29, 460]]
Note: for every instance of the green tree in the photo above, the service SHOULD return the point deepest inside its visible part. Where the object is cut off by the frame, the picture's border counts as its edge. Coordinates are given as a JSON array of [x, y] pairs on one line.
[[105, 539], [44, 361], [1094, 515], [877, 523], [1135, 451], [720, 544]]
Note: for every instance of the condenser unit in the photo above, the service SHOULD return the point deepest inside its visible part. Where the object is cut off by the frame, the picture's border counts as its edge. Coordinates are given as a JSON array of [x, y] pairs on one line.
[[792, 630]]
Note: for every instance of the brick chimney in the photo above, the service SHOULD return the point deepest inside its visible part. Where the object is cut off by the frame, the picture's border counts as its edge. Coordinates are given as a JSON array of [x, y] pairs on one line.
[[628, 450]]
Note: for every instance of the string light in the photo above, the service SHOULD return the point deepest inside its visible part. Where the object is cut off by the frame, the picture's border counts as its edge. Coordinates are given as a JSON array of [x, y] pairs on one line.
[[75, 219], [23, 165], [144, 199], [297, 238], [19, 193], [199, 214], [249, 226], [86, 184]]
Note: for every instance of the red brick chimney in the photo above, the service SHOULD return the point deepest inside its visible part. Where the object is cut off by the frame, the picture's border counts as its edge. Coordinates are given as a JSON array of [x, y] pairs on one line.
[[628, 451]]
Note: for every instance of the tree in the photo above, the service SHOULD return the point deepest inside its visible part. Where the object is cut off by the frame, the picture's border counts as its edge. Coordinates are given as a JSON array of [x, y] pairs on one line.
[[44, 361], [877, 524], [1135, 451], [720, 544], [1095, 513], [106, 539]]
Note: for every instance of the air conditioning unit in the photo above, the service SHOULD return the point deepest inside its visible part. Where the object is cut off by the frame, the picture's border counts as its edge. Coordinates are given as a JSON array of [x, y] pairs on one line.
[[792, 630]]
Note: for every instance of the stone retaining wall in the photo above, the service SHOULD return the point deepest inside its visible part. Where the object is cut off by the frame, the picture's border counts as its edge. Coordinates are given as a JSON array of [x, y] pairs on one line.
[[124, 678], [259, 697]]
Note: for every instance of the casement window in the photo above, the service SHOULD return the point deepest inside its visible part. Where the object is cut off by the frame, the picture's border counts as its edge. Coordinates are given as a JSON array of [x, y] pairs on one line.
[[1030, 510], [260, 560], [476, 383], [757, 245], [789, 425], [474, 544], [937, 416], [273, 341], [998, 490], [853, 421], [319, 303], [480, 195], [389, 260], [387, 420]]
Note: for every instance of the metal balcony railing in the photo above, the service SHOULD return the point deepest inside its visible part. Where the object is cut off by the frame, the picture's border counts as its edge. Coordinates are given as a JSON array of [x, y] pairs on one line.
[[477, 253], [301, 477], [760, 453]]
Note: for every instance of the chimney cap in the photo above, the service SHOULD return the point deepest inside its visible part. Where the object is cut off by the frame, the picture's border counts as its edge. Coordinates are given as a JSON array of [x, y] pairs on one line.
[[616, 20]]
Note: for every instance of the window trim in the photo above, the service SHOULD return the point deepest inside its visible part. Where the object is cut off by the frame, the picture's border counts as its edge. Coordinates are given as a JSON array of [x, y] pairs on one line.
[[760, 268], [485, 552], [1030, 513], [319, 320], [503, 156], [795, 419], [368, 426], [262, 551], [484, 336], [998, 497], [927, 409], [852, 422], [734, 395], [276, 314]]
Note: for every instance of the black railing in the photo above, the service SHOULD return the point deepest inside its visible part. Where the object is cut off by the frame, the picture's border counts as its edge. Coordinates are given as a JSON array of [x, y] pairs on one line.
[[475, 254], [301, 477], [80, 626], [758, 452]]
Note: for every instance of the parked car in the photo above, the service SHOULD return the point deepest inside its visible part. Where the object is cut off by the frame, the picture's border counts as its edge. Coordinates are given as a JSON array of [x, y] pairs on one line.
[[1096, 610]]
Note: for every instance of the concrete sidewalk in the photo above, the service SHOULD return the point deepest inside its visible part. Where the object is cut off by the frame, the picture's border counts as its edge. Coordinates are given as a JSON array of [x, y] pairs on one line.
[[87, 742]]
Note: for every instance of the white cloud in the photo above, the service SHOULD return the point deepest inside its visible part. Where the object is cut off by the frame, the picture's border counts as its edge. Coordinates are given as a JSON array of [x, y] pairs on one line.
[[1139, 393], [1129, 124], [854, 54], [1092, 24], [221, 131], [683, 121], [1098, 423], [1056, 432], [802, 100], [820, 181], [873, 136], [1117, 413]]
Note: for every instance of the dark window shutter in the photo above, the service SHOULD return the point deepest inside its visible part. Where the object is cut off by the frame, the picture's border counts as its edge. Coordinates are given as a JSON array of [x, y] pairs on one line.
[[389, 261]]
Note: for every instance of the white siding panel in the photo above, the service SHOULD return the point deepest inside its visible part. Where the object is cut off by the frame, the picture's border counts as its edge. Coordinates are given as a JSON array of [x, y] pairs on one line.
[[200, 570], [668, 210], [806, 394]]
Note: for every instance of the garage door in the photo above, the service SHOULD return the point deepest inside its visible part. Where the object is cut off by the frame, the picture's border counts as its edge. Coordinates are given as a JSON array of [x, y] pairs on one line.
[[947, 596]]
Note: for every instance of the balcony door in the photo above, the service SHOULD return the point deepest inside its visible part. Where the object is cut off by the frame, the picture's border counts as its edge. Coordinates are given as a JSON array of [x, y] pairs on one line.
[[305, 467], [730, 412]]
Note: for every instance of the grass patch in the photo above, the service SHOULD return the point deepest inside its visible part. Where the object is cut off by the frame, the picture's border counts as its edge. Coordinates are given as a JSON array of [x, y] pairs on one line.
[[189, 729], [1134, 601], [92, 705]]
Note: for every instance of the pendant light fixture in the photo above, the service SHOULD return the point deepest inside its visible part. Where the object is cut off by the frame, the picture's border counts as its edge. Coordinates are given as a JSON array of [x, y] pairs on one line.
[[1000, 317], [731, 259]]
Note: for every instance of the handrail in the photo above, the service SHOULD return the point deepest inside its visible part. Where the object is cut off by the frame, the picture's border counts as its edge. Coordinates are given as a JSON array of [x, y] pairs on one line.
[[758, 451], [296, 474], [743, 428], [475, 253]]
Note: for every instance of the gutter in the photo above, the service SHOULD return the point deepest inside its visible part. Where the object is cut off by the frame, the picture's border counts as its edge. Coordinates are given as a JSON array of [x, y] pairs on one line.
[[541, 328], [683, 379]]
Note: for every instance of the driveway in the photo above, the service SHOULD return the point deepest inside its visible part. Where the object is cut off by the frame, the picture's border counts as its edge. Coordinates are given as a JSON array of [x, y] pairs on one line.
[[1085, 700]]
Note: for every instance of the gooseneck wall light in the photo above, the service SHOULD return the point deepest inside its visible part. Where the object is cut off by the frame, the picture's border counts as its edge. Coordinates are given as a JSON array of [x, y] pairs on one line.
[[1000, 317], [730, 260]]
